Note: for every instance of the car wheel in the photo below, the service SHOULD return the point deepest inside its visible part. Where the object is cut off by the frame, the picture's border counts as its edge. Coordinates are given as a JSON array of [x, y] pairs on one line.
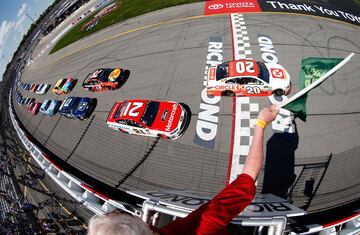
[[228, 93], [279, 92], [163, 136], [123, 131]]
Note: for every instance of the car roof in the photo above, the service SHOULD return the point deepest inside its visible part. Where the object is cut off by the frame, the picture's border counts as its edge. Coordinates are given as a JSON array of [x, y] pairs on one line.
[[243, 68]]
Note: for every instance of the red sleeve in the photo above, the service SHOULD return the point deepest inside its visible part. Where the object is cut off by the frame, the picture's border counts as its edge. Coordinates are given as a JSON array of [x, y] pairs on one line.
[[215, 215]]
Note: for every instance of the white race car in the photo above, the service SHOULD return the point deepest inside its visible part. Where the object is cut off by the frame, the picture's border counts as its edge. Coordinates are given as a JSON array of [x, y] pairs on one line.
[[42, 89], [248, 78]]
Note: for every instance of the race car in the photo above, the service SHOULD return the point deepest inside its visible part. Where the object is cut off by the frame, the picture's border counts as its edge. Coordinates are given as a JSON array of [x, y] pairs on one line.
[[42, 89], [50, 107], [34, 107], [247, 78], [77, 107], [64, 86], [105, 79], [22, 101], [33, 88], [166, 119], [28, 101]]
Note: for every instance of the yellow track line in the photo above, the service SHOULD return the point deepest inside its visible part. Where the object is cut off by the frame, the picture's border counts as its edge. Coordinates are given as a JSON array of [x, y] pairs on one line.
[[182, 20], [125, 33]]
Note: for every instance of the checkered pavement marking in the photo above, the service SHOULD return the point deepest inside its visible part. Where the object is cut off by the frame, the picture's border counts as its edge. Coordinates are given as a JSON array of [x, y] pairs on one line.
[[244, 124]]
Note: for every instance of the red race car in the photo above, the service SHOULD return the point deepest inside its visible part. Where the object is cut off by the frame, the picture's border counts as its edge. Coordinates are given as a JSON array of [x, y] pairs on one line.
[[34, 107], [166, 119], [105, 79]]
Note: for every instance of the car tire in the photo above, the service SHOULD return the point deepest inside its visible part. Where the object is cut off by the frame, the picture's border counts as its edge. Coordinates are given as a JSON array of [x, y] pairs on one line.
[[228, 93], [279, 92], [123, 131]]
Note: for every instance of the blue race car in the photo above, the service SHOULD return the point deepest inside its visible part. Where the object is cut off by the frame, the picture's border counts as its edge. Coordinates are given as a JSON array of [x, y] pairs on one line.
[[77, 107], [50, 107]]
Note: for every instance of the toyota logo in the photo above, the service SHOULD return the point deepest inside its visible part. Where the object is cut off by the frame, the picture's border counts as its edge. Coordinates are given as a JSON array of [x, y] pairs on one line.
[[216, 6]]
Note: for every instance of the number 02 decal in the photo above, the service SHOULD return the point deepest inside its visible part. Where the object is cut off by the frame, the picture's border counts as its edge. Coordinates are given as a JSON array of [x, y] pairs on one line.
[[253, 90], [245, 66], [134, 110]]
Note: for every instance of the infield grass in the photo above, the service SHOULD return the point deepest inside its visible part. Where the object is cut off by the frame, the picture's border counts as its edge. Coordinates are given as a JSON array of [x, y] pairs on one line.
[[126, 9]]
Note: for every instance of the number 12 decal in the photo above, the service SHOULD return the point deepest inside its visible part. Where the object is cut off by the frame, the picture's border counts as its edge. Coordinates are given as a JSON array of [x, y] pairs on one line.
[[253, 90]]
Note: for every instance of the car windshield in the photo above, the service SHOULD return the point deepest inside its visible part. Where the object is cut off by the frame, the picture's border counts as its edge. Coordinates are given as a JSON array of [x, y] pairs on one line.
[[263, 72], [61, 83], [119, 110], [150, 113], [105, 74], [47, 104], [222, 71]]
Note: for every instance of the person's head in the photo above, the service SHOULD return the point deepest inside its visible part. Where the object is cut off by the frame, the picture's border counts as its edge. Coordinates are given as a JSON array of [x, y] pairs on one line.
[[118, 223]]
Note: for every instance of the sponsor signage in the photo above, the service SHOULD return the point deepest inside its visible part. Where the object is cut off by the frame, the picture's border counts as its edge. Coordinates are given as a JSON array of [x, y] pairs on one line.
[[206, 125], [264, 205], [93, 22], [329, 11], [337, 12], [231, 6]]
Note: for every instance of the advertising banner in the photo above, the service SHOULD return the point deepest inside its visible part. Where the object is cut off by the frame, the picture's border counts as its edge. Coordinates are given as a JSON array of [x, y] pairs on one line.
[[345, 10], [336, 12], [231, 6]]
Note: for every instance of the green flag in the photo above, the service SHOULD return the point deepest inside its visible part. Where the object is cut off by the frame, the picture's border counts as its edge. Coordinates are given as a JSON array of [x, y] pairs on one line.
[[311, 70]]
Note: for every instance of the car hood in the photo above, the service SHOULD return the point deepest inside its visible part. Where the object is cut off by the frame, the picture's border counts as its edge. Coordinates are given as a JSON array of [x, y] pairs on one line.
[[278, 76], [168, 116]]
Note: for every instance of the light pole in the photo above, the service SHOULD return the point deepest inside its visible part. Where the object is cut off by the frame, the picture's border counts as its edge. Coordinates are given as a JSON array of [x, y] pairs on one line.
[[31, 19]]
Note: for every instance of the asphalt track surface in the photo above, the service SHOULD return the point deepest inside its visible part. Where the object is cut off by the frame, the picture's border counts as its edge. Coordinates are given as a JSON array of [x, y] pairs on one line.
[[167, 62]]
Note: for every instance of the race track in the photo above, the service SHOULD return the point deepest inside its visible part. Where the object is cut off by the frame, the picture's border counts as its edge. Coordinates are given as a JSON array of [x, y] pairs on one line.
[[167, 62]]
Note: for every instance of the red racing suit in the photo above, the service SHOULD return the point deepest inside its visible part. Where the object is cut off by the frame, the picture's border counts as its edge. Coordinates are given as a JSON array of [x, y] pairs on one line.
[[214, 216]]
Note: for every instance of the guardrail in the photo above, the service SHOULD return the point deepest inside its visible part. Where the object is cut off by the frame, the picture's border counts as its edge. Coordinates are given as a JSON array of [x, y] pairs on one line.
[[157, 211]]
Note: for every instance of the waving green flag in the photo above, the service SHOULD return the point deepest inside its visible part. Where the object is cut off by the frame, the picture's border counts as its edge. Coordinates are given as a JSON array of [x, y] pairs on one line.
[[313, 72]]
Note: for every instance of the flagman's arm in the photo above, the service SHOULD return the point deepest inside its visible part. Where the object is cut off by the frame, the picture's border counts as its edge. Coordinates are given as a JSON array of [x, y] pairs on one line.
[[254, 160]]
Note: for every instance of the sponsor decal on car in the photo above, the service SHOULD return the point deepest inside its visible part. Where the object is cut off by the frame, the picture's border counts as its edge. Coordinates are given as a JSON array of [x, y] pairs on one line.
[[171, 118], [114, 75], [231, 6], [277, 73], [212, 73]]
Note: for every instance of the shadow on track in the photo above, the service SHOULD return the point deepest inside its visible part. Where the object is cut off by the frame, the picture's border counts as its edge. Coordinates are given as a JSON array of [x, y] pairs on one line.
[[280, 163]]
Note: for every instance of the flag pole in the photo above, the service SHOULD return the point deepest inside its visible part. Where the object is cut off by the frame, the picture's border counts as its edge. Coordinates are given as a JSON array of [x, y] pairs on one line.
[[317, 82]]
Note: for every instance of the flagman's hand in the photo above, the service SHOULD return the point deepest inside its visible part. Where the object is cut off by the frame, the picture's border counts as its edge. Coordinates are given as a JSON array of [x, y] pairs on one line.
[[268, 114]]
